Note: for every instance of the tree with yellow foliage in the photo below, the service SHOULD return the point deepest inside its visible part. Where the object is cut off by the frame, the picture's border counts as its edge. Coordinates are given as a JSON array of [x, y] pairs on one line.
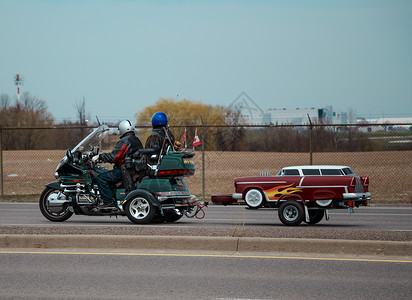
[[181, 114]]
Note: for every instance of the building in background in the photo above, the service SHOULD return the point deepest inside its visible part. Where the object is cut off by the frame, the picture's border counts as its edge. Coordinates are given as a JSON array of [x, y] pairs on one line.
[[391, 124], [250, 113]]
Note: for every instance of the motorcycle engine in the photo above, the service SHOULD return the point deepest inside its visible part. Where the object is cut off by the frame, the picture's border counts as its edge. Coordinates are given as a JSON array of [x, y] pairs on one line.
[[86, 199]]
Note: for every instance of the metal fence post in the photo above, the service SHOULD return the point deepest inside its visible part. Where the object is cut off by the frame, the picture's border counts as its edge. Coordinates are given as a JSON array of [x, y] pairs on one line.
[[1, 160], [310, 141], [310, 145], [203, 161]]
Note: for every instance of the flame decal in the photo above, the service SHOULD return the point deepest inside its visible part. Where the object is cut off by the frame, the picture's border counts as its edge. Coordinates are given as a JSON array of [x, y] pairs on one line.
[[276, 192]]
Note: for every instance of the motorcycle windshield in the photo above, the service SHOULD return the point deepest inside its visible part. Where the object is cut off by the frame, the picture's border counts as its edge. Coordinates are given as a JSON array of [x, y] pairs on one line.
[[93, 139]]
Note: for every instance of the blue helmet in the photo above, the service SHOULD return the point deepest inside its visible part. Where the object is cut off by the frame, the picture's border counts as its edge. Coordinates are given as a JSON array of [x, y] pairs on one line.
[[159, 119]]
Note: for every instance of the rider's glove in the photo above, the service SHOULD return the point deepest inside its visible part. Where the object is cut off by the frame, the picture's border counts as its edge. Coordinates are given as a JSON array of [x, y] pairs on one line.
[[95, 158], [177, 145]]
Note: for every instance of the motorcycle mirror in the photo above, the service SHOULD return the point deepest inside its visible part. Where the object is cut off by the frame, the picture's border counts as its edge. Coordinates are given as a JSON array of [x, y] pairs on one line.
[[153, 158], [69, 154], [96, 150]]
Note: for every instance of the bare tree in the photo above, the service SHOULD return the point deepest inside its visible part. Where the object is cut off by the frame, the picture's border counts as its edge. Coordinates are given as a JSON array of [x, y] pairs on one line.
[[4, 101], [29, 112], [81, 112], [232, 138]]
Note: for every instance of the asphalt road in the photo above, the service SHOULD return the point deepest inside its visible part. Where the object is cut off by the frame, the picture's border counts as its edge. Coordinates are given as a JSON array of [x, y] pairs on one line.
[[134, 274], [376, 223], [372, 218], [87, 275]]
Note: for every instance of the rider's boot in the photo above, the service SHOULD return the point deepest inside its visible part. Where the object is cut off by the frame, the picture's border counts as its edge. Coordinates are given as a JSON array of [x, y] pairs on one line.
[[111, 204]]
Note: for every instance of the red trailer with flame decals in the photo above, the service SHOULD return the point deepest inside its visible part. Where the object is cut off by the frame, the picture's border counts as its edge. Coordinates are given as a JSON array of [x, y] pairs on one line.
[[301, 193]]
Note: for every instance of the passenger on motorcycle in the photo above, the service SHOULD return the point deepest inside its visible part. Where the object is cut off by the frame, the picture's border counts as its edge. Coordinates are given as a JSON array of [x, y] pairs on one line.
[[161, 137], [128, 144]]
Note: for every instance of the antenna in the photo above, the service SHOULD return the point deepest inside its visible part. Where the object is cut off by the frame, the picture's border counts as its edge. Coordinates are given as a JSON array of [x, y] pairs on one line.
[[18, 80], [98, 121]]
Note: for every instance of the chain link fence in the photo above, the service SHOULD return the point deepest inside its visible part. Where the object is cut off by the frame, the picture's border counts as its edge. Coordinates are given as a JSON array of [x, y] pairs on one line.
[[29, 156]]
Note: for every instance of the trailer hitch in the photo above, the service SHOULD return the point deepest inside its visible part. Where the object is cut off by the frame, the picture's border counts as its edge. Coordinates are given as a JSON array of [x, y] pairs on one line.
[[197, 210]]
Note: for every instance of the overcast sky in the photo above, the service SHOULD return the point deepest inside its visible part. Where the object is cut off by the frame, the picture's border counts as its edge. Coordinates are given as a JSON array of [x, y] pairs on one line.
[[124, 55]]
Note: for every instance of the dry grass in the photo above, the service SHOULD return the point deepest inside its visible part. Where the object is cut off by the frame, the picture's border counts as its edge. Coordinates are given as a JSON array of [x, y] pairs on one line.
[[26, 172]]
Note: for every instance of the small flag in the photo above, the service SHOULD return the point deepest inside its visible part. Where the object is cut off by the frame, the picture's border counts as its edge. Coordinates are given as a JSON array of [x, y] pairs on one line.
[[184, 139], [196, 141]]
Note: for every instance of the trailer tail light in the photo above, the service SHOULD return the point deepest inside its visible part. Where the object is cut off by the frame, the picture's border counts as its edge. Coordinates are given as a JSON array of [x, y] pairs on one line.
[[365, 180]]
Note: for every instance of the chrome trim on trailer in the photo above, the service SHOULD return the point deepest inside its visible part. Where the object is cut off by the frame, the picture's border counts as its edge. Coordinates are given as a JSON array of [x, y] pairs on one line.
[[255, 182], [323, 187], [358, 196], [324, 203]]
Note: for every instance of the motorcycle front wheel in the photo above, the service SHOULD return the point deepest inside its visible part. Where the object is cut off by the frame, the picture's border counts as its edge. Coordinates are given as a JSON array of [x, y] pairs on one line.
[[56, 212]]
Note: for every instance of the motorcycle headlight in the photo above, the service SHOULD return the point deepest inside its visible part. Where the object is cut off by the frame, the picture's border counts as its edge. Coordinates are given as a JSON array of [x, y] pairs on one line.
[[56, 175]]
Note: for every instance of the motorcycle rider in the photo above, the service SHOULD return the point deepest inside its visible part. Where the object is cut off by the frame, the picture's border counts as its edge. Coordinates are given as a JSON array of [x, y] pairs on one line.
[[128, 144], [161, 137]]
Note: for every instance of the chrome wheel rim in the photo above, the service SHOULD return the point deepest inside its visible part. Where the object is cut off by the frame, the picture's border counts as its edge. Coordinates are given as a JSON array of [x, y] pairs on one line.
[[53, 209], [139, 208], [253, 198], [290, 213]]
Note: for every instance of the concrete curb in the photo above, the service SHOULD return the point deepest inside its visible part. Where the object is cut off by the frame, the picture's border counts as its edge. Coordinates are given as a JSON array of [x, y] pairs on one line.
[[208, 243], [326, 246]]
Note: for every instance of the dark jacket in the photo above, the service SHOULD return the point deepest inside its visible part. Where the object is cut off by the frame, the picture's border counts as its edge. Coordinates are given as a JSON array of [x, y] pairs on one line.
[[126, 146], [158, 140]]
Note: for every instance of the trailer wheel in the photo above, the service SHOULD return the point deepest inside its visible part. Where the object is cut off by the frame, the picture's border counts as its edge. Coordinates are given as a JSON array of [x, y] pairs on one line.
[[254, 198], [291, 213], [315, 216]]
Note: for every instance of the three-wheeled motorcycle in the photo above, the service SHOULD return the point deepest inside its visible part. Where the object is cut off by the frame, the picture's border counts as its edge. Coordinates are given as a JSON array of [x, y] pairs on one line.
[[152, 190]]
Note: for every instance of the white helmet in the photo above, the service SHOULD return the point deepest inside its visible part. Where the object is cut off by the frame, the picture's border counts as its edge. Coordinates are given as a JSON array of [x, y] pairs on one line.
[[125, 126]]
